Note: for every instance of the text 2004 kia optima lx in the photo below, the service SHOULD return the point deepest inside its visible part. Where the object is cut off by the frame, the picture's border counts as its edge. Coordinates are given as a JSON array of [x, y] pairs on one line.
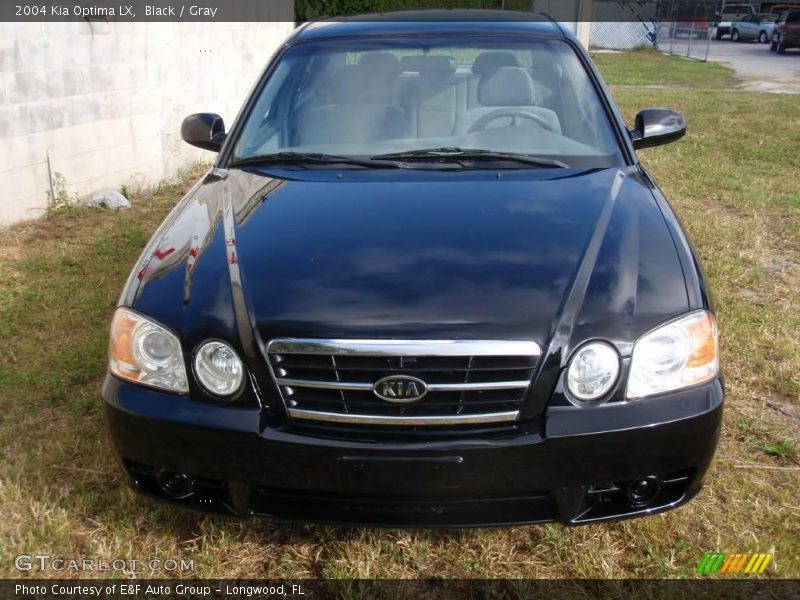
[[427, 282]]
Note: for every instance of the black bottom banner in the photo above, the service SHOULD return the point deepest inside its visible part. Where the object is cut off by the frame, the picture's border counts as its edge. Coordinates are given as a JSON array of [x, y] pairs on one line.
[[452, 589]]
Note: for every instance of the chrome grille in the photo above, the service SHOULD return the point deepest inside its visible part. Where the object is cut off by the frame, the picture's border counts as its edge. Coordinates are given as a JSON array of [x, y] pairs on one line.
[[467, 381]]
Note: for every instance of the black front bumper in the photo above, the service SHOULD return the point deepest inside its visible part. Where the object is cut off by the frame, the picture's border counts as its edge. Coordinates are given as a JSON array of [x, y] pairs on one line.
[[574, 466]]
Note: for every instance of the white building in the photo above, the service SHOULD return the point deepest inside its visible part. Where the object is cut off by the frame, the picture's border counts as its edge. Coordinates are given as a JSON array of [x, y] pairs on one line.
[[103, 101], [99, 104]]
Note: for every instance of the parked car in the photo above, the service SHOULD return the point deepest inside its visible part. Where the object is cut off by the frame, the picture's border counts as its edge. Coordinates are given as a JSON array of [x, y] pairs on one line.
[[426, 282], [754, 27], [787, 32], [694, 21], [729, 14], [777, 9]]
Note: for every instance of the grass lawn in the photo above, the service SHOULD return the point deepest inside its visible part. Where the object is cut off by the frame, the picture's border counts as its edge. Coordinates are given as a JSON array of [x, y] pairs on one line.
[[734, 182]]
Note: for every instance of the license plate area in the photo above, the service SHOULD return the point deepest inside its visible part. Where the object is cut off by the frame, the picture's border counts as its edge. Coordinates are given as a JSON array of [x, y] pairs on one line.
[[380, 474]]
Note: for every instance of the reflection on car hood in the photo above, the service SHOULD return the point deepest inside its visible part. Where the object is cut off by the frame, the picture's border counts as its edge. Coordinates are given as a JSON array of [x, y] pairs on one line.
[[379, 254]]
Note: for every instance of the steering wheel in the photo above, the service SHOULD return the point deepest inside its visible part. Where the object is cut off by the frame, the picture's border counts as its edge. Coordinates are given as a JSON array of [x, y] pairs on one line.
[[520, 112]]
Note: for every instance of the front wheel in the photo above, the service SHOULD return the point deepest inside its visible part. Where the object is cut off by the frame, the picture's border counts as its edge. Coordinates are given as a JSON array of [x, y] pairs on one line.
[[718, 35], [735, 35], [762, 37], [773, 46], [781, 47]]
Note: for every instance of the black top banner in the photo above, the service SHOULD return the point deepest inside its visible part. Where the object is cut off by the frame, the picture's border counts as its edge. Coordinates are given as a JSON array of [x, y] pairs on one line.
[[298, 11]]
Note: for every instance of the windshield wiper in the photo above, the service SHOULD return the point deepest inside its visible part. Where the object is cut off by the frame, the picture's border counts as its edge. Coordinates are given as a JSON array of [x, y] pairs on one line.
[[310, 158], [470, 154]]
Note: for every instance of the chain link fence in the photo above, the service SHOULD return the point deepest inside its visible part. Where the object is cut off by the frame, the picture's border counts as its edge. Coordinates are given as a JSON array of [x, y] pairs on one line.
[[620, 25], [680, 27], [686, 27]]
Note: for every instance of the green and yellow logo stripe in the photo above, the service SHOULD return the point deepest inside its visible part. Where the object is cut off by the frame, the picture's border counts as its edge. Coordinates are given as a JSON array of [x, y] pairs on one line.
[[723, 562]]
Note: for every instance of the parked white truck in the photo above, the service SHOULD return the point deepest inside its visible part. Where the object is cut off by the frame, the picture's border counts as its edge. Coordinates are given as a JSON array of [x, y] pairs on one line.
[[729, 14]]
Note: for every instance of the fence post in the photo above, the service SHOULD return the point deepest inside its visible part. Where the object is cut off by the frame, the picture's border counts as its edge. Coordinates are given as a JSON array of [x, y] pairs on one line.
[[672, 33]]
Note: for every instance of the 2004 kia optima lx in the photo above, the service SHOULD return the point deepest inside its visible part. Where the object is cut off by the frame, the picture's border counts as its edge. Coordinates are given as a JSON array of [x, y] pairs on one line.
[[426, 282]]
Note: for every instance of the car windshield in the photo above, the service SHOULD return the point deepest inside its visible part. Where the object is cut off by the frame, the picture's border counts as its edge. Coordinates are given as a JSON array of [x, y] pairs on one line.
[[737, 8], [372, 97]]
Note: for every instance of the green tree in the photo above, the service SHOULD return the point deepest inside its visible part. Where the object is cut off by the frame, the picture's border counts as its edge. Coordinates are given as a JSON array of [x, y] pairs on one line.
[[306, 10]]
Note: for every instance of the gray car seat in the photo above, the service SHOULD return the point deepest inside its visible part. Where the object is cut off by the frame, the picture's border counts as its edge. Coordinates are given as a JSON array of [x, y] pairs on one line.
[[485, 64], [359, 105], [433, 96], [506, 87]]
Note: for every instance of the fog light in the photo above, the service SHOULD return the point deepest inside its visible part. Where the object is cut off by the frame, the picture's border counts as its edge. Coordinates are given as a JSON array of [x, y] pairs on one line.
[[592, 373], [218, 368], [642, 491], [175, 485]]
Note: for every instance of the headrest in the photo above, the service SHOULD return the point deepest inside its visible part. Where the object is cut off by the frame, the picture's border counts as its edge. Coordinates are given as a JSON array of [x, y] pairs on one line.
[[345, 86], [487, 62], [364, 83], [414, 63], [438, 66], [382, 63], [507, 86], [429, 65]]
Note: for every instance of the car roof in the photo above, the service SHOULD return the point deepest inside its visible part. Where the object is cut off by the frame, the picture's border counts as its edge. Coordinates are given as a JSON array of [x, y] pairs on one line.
[[432, 22]]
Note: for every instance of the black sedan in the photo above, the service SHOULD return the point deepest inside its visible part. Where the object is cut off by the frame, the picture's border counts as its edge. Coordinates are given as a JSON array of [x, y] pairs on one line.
[[426, 282]]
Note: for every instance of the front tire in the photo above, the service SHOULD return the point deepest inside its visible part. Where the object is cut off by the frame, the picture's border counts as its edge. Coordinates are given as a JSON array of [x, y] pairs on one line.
[[762, 37], [735, 35], [781, 47], [718, 35], [773, 46]]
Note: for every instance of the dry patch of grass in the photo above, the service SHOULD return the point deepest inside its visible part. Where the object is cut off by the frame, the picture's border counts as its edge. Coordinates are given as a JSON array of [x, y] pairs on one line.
[[733, 182]]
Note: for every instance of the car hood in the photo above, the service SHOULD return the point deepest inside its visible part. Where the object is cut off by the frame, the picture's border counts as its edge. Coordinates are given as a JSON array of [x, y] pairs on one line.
[[515, 254]]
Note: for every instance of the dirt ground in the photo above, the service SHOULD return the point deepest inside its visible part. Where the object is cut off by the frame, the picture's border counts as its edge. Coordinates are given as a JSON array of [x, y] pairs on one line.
[[759, 69]]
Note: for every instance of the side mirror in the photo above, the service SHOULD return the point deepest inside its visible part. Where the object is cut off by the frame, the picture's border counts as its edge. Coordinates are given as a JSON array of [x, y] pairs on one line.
[[657, 126], [204, 130]]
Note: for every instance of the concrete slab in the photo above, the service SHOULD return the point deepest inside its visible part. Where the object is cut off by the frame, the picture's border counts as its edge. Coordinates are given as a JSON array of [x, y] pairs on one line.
[[758, 68]]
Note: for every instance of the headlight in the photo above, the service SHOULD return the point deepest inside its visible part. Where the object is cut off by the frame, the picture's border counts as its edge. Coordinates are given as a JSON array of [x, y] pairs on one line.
[[676, 355], [592, 371], [218, 368], [144, 352]]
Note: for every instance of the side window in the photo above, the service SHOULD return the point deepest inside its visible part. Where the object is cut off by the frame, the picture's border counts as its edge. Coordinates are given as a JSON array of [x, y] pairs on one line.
[[267, 133]]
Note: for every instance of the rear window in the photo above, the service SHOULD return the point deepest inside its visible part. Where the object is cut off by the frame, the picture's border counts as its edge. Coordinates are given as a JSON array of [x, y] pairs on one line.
[[463, 56], [737, 9]]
